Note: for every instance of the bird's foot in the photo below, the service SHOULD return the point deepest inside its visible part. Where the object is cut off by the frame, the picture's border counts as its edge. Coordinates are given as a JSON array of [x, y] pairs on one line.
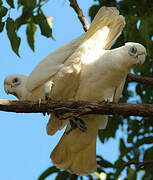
[[77, 122], [39, 103], [104, 100], [47, 88], [47, 97]]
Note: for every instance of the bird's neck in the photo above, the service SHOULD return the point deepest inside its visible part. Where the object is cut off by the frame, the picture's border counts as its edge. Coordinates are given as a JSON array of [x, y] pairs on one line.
[[21, 92]]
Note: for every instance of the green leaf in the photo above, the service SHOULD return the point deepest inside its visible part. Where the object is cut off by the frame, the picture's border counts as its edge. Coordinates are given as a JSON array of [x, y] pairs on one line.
[[14, 39], [89, 177], [104, 163], [62, 175], [119, 165], [41, 20], [148, 154], [11, 3], [122, 146], [145, 140], [1, 2], [93, 11], [42, 0], [3, 11], [30, 4], [25, 17], [48, 172], [20, 21], [30, 32], [1, 26], [131, 174]]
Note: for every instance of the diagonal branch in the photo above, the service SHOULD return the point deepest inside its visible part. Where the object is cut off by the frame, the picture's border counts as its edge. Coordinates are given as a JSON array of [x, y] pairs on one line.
[[83, 20], [139, 164], [67, 109]]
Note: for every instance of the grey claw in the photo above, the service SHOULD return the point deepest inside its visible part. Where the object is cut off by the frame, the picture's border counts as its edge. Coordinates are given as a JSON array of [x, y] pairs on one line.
[[47, 97], [39, 102], [44, 113], [76, 122]]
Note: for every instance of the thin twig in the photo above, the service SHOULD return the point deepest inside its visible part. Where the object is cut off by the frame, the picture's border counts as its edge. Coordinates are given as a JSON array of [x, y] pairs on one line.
[[139, 164], [83, 20]]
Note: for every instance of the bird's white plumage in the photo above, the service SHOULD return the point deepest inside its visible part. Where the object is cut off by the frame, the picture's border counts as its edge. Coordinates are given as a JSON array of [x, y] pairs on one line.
[[101, 35], [52, 64]]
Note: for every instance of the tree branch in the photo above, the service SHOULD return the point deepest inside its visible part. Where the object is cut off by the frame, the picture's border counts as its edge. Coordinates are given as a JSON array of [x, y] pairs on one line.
[[139, 164], [67, 109], [140, 79], [83, 20]]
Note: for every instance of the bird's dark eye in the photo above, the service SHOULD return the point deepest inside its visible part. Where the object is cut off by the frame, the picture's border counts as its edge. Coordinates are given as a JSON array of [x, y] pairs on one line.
[[132, 51], [15, 80]]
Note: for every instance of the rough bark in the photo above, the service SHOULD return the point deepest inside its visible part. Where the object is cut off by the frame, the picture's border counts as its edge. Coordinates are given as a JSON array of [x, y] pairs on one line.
[[140, 79], [83, 20], [79, 108]]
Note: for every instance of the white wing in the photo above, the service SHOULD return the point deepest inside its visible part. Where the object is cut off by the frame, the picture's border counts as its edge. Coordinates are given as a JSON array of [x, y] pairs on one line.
[[51, 64], [105, 28]]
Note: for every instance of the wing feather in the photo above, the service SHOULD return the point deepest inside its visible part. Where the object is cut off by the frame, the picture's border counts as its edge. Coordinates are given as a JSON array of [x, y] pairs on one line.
[[51, 64], [104, 30]]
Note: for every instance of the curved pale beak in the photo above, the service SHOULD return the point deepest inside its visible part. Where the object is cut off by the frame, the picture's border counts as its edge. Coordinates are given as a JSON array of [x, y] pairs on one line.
[[140, 57], [7, 88]]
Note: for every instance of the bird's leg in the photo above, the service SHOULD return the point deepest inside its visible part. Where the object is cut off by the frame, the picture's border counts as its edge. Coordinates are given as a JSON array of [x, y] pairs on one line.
[[39, 103], [47, 88], [77, 122], [104, 100]]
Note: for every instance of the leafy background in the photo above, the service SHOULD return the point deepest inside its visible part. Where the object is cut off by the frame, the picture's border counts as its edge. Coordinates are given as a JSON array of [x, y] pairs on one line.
[[136, 141]]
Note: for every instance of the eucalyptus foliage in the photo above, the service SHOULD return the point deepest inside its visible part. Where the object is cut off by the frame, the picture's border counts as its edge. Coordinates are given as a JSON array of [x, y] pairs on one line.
[[31, 15]]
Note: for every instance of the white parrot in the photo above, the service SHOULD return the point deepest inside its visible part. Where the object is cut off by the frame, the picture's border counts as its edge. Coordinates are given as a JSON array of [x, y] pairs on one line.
[[81, 70], [104, 30]]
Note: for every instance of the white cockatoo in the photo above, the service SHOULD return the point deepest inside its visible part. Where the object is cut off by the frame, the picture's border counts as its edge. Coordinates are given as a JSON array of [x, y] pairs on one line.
[[83, 69]]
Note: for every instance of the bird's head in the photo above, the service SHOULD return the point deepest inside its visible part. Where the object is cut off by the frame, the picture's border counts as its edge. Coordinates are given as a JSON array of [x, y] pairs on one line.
[[136, 52], [14, 84]]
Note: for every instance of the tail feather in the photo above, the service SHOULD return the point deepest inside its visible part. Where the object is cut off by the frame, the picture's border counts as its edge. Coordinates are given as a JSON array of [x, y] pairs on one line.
[[84, 162], [76, 152], [105, 28], [54, 124]]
